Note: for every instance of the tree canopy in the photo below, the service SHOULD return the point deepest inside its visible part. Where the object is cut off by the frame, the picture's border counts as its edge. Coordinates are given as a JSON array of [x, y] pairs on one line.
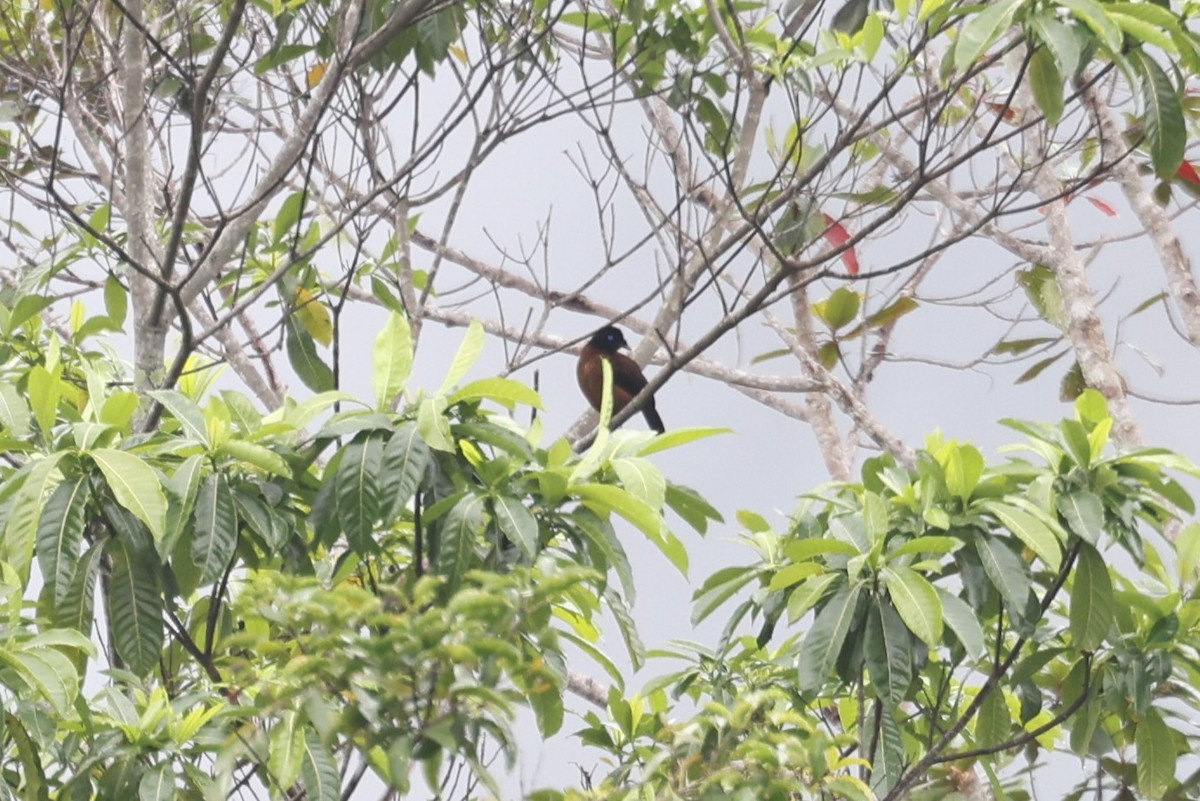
[[246, 552]]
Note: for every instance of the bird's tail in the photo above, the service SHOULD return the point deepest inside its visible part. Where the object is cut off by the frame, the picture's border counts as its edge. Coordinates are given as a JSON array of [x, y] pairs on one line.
[[652, 419]]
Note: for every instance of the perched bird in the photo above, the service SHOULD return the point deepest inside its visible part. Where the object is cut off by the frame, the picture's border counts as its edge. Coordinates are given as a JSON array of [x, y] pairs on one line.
[[627, 377]]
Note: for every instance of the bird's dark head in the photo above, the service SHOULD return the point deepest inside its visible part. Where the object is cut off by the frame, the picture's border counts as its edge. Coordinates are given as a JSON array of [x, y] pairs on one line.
[[608, 339]]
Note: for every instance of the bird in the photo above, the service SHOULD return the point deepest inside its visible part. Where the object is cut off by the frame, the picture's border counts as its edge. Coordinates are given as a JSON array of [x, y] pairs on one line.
[[627, 378]]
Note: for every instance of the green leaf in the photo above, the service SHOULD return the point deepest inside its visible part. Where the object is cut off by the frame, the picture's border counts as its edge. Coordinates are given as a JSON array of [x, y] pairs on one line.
[[216, 529], [303, 356], [358, 498], [934, 544], [1156, 755], [679, 436], [181, 488], [602, 537], [75, 610], [1162, 115], [116, 301], [1092, 607], [1047, 85], [319, 770], [717, 589], [963, 620], [887, 648], [889, 749], [465, 358], [405, 458], [691, 506], [1084, 512], [917, 602], [605, 499], [808, 594], [157, 784], [185, 411], [981, 30], [135, 486], [1032, 531], [48, 671], [25, 513], [642, 479], [392, 360], [1093, 15], [964, 466], [457, 536], [60, 534], [14, 411], [800, 550], [255, 455], [45, 390], [1061, 39], [504, 391], [1038, 368], [839, 309], [1007, 573], [993, 723], [1018, 346], [135, 605], [516, 523], [285, 748], [826, 637]]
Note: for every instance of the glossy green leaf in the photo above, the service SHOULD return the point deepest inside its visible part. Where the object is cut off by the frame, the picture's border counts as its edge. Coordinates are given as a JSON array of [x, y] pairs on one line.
[[319, 770], [14, 411], [679, 436], [642, 479], [963, 469], [405, 459], [1047, 85], [185, 411], [917, 602], [1093, 15], [887, 648], [1092, 606], [48, 671], [157, 784], [599, 532], [76, 608], [808, 594], [285, 748], [465, 358], [181, 489], [135, 486], [516, 523], [457, 536], [691, 506], [392, 360], [44, 390], [1008, 574], [504, 391], [1162, 115], [60, 535], [993, 723], [25, 512], [932, 544], [1032, 531], [981, 30], [216, 532], [135, 605], [1156, 755], [1084, 512], [303, 356], [839, 309], [963, 620], [826, 637], [357, 489]]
